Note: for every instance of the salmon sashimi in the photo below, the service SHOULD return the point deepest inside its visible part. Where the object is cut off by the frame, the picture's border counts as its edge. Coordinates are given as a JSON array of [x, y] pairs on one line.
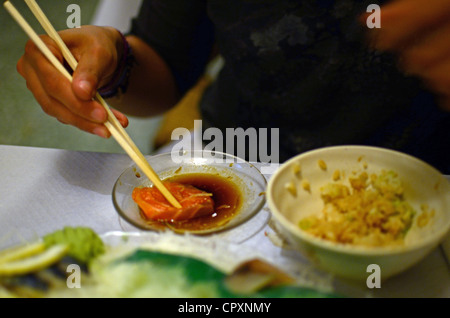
[[194, 202]]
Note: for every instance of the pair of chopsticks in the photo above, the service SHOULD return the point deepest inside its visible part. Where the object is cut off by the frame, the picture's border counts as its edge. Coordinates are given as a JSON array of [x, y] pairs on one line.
[[112, 124]]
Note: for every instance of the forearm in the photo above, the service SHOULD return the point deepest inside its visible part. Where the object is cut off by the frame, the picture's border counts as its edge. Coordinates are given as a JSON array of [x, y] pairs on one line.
[[152, 89]]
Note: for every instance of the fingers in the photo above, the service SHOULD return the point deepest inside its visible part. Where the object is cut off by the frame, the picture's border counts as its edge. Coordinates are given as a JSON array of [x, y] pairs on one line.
[[97, 58], [71, 103], [90, 72], [55, 95], [53, 107], [59, 88], [437, 76], [418, 31], [429, 58], [438, 80], [123, 120], [427, 51], [403, 21]]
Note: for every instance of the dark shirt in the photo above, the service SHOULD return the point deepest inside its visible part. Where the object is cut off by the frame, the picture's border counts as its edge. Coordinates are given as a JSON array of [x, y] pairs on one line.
[[301, 66]]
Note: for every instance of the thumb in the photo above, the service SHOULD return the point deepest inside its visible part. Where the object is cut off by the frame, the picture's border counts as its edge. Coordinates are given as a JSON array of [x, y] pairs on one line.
[[87, 76]]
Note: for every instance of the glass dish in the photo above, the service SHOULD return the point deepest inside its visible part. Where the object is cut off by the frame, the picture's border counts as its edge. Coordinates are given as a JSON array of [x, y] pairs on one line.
[[244, 175]]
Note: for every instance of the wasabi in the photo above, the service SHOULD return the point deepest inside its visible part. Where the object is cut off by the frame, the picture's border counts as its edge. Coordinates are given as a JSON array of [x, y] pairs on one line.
[[84, 244]]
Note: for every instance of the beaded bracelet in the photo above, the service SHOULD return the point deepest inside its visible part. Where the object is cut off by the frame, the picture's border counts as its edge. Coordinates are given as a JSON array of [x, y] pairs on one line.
[[119, 83]]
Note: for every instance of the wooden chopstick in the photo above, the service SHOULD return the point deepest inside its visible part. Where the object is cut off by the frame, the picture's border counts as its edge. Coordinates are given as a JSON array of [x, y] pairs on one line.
[[112, 124]]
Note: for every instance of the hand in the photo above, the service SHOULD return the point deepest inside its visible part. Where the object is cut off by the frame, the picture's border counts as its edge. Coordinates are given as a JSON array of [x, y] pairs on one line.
[[419, 32], [97, 50]]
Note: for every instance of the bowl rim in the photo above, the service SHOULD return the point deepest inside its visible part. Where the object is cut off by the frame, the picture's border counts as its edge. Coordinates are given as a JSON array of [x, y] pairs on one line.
[[213, 231], [346, 248]]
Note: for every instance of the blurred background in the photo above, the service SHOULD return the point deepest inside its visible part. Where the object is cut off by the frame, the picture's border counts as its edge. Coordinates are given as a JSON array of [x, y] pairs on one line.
[[22, 121]]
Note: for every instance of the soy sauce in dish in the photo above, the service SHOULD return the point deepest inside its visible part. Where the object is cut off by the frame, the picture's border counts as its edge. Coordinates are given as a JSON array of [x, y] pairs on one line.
[[227, 199]]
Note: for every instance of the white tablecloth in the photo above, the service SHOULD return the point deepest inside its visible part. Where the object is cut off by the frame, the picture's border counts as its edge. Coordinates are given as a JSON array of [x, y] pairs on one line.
[[43, 190]]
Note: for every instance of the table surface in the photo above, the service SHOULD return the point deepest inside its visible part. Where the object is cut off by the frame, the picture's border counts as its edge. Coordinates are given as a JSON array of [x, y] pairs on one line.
[[43, 190]]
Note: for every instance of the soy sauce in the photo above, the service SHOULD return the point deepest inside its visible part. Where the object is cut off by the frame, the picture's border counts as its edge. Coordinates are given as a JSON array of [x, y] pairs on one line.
[[227, 202]]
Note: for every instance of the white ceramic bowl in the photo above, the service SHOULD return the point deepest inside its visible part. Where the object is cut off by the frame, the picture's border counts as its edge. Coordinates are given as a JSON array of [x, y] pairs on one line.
[[423, 185]]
